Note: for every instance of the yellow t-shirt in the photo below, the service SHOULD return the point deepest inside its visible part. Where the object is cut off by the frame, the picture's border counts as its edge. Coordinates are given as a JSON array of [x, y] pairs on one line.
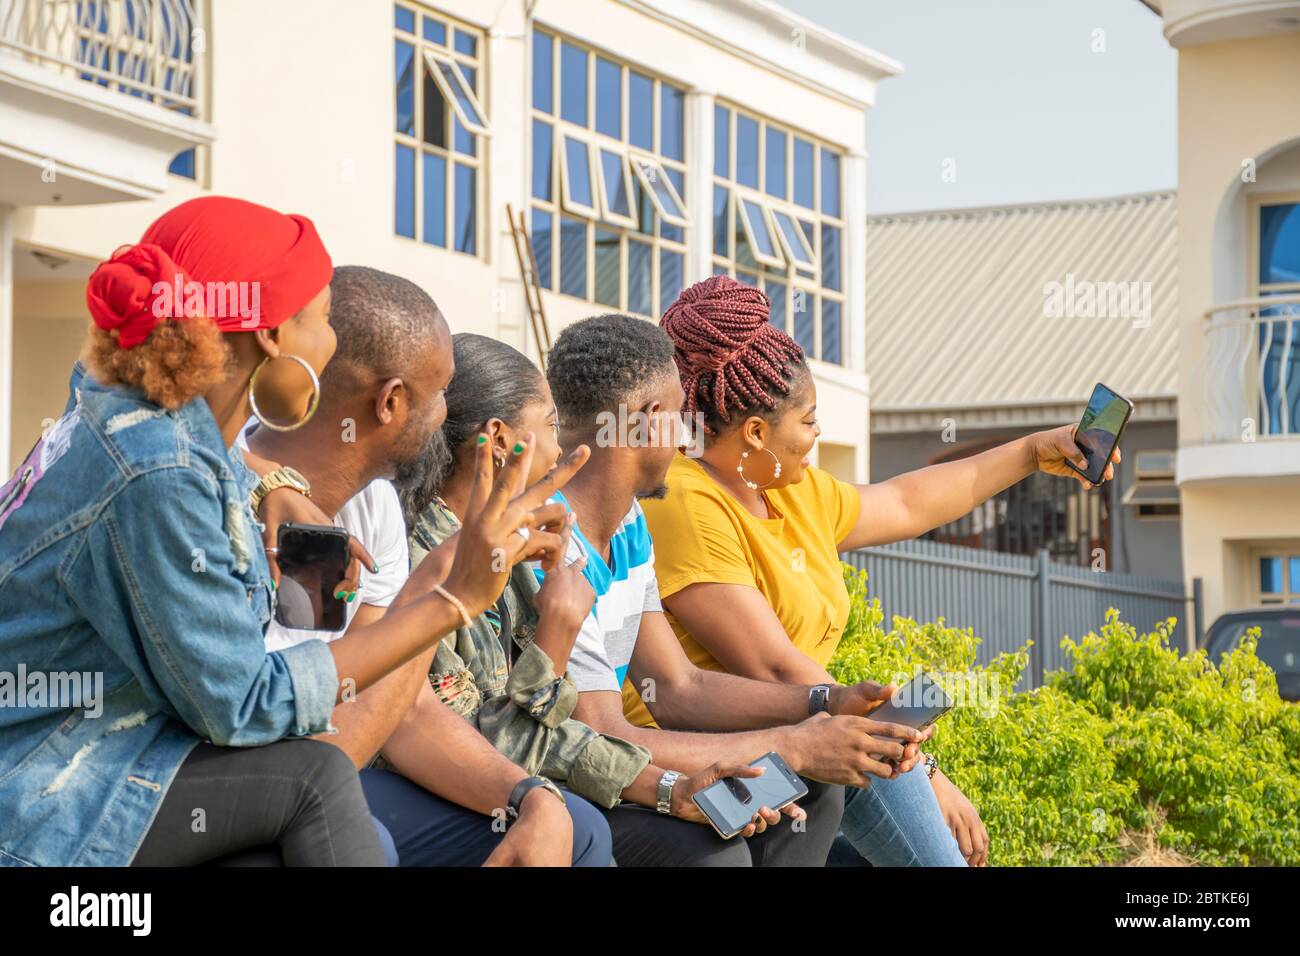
[[702, 534]]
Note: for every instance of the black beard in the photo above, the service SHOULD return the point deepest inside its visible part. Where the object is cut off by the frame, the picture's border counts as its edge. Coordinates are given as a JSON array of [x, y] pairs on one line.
[[655, 494], [419, 479]]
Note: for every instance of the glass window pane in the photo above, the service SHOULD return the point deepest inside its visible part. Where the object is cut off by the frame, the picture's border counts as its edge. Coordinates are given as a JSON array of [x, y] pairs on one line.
[[830, 183], [747, 278], [435, 31], [721, 269], [466, 142], [577, 169], [466, 209], [721, 217], [435, 199], [466, 43], [403, 19], [613, 172], [543, 71], [609, 98], [1293, 572], [776, 292], [434, 129], [460, 79], [541, 240], [666, 229], [404, 78], [573, 84], [573, 257], [640, 110], [542, 152], [1279, 243], [774, 176], [793, 236], [803, 323], [746, 151], [764, 241], [1270, 575], [405, 192], [607, 267], [832, 332], [721, 142], [803, 173], [639, 265], [671, 270], [182, 164], [645, 210], [670, 121], [831, 259]]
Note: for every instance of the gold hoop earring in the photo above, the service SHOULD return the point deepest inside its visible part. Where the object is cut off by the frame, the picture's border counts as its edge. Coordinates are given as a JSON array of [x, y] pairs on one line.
[[752, 485], [311, 405]]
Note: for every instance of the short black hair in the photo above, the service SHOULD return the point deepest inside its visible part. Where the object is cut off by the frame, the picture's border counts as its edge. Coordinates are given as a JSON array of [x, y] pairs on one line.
[[602, 362], [382, 322]]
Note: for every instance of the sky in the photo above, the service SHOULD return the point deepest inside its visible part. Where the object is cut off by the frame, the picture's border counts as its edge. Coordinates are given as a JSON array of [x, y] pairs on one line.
[[1006, 101]]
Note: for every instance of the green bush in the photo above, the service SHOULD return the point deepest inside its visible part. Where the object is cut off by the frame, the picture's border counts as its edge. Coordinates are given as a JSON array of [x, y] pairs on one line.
[[1133, 745]]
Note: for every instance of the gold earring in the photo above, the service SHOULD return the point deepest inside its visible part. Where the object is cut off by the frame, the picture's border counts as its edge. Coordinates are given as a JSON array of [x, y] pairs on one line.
[[311, 405], [754, 486]]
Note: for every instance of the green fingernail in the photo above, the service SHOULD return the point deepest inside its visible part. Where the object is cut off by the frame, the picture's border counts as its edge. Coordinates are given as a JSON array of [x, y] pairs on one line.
[[351, 596], [519, 448], [374, 568], [338, 595], [272, 584]]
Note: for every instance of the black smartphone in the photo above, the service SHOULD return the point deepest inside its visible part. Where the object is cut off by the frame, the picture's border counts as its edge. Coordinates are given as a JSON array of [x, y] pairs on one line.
[[917, 704], [313, 560], [1099, 430], [730, 804]]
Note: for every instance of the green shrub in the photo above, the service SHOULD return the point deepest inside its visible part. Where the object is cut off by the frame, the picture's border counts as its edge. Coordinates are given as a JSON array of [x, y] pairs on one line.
[[1133, 738]]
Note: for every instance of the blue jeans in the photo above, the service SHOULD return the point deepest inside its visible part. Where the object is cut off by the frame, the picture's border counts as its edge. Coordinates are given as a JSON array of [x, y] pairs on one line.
[[430, 831], [897, 823]]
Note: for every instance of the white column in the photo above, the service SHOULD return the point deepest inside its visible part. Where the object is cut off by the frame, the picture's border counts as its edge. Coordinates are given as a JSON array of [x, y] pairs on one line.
[[699, 184], [855, 285], [6, 338]]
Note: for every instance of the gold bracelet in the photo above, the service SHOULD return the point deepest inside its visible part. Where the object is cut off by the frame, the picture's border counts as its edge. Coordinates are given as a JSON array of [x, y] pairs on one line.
[[455, 602]]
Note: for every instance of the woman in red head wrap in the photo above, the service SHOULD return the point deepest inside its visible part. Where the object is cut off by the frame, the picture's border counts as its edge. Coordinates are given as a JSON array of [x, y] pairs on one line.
[[747, 544], [130, 559]]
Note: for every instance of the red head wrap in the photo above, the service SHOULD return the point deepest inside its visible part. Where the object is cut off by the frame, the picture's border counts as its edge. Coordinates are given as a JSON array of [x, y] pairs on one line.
[[235, 263]]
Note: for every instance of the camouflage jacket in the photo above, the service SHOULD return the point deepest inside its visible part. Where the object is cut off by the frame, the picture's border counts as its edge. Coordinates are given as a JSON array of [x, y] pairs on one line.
[[523, 708]]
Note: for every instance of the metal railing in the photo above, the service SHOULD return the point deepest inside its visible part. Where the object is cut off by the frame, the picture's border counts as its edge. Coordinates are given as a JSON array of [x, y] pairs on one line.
[[1250, 370], [1011, 598], [152, 49]]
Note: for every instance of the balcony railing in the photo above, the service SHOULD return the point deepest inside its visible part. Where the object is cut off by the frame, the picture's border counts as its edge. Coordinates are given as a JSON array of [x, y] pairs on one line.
[[150, 49], [1250, 373]]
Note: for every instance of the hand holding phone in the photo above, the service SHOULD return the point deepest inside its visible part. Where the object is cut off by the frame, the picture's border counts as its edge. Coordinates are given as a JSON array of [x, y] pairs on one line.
[[313, 562], [732, 804], [1098, 433], [917, 704]]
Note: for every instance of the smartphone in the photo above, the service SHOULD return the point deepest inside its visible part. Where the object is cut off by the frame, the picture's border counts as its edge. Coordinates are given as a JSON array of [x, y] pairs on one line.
[[1099, 430], [313, 560], [730, 804], [917, 704]]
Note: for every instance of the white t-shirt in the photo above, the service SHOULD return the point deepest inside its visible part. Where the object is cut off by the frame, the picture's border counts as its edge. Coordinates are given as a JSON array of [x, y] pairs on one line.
[[374, 517]]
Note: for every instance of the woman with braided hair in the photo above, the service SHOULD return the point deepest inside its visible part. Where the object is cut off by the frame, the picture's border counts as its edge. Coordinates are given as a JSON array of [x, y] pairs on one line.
[[747, 544]]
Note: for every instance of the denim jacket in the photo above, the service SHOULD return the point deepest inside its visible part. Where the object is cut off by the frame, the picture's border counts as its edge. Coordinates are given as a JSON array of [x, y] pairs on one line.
[[129, 556], [524, 709]]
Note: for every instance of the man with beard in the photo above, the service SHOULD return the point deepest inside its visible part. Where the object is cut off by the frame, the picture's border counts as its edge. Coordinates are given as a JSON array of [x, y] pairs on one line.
[[380, 410]]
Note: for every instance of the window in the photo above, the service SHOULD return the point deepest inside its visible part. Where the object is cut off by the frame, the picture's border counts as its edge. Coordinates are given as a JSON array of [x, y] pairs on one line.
[[615, 138], [778, 225], [1278, 577], [440, 124], [1277, 275]]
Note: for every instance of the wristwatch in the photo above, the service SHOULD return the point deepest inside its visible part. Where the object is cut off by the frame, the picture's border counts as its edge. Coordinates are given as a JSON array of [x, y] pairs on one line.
[[522, 789], [819, 699], [666, 784], [282, 477]]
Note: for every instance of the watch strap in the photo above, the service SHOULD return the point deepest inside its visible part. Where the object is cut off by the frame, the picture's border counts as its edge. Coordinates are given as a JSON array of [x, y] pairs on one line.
[[525, 787], [282, 477], [664, 802], [819, 699]]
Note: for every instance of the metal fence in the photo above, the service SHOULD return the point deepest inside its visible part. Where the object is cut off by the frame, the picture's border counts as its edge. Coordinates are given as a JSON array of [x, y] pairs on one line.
[[1010, 598]]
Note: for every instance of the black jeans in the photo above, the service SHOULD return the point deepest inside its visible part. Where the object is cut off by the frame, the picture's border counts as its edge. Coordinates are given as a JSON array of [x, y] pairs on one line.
[[643, 837], [236, 806]]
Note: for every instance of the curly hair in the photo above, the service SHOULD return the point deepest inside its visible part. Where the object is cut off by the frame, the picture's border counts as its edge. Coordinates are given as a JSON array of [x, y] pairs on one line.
[[602, 362], [730, 357], [179, 361]]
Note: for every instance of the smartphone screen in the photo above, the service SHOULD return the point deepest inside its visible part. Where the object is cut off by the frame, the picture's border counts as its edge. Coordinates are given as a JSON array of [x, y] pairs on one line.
[[732, 802], [313, 560], [917, 704], [1099, 430]]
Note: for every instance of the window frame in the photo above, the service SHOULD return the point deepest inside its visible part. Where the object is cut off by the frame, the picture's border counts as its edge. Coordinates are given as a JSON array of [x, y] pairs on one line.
[[607, 214], [742, 196], [571, 205], [433, 60]]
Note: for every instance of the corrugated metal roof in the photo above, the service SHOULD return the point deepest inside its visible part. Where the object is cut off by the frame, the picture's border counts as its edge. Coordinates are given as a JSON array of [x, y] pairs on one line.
[[957, 303]]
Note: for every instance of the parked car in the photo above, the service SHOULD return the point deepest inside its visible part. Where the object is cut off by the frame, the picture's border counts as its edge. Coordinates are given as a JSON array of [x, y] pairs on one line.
[[1279, 641]]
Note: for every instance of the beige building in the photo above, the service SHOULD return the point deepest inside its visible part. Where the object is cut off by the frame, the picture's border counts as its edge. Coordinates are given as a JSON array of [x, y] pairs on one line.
[[647, 143], [1239, 296]]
